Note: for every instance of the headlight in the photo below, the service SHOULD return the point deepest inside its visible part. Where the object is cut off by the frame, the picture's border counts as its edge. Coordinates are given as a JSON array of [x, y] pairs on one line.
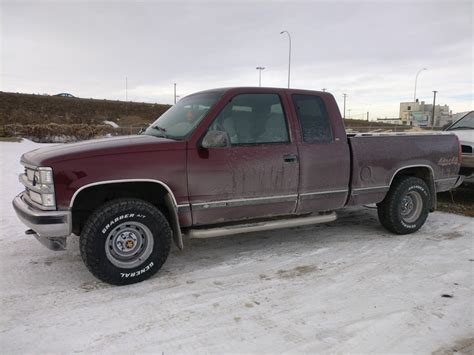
[[39, 183], [48, 200], [44, 176]]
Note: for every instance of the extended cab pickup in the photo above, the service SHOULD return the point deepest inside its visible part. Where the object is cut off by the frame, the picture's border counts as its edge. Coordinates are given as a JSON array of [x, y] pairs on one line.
[[221, 162]]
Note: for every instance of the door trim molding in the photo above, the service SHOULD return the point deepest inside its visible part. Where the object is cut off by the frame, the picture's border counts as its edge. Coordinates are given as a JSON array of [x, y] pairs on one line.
[[244, 202], [321, 194], [369, 190], [266, 199]]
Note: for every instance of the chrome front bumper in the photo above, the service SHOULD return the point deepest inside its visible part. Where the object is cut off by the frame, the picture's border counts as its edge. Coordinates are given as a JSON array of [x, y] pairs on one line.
[[50, 227], [459, 181], [467, 160]]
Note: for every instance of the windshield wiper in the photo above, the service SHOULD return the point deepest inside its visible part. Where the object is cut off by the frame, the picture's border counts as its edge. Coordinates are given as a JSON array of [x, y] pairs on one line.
[[161, 130], [143, 129]]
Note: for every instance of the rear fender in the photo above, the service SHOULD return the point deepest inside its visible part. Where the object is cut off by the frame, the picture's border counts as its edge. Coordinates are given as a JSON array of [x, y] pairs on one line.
[[424, 172]]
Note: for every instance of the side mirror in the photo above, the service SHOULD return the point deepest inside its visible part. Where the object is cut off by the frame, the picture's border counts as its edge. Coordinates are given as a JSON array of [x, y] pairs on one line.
[[216, 139]]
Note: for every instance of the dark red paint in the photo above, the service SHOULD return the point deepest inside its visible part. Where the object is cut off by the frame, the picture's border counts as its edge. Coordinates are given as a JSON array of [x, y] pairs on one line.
[[198, 175]]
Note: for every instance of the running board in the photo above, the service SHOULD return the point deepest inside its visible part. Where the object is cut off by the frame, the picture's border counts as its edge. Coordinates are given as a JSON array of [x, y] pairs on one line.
[[259, 226]]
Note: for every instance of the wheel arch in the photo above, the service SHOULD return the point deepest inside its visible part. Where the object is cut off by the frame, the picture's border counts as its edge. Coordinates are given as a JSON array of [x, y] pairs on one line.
[[90, 196], [422, 171]]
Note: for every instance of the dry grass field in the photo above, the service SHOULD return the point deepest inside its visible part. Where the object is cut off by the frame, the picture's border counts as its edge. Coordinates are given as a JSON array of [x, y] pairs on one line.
[[42, 118]]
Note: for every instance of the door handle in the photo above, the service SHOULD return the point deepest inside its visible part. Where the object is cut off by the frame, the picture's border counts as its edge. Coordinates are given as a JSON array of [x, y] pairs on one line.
[[290, 158]]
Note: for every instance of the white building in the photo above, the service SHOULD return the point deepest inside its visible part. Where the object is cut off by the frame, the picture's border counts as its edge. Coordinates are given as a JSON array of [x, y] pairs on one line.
[[419, 114]]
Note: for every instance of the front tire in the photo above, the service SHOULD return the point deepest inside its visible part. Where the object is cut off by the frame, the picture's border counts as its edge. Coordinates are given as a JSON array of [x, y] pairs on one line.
[[125, 241], [406, 206]]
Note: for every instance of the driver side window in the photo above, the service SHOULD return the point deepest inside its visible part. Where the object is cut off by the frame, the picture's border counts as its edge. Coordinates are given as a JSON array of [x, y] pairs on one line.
[[253, 119]]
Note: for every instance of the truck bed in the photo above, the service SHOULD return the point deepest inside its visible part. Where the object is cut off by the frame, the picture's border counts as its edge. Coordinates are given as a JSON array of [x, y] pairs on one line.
[[376, 158]]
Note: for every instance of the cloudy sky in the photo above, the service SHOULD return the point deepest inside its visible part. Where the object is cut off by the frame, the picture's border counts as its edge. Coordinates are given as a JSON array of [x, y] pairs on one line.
[[370, 50]]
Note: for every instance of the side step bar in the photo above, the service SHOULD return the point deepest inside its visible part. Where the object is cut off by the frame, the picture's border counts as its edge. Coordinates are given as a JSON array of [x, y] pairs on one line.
[[259, 226]]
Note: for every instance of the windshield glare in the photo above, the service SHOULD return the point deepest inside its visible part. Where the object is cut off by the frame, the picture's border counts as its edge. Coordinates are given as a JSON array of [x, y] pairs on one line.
[[181, 119], [467, 122]]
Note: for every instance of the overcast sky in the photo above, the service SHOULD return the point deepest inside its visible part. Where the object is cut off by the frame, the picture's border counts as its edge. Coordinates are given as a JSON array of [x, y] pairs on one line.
[[370, 50]]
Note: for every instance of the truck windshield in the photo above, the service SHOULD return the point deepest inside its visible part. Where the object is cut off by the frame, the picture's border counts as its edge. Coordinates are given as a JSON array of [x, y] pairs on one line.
[[467, 122], [181, 119]]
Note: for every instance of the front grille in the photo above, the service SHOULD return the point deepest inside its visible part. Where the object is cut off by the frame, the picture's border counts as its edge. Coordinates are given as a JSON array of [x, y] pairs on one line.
[[466, 149]]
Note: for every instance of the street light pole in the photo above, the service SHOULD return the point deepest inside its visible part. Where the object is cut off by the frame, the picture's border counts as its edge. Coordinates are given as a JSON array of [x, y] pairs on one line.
[[416, 80], [289, 55], [175, 93], [260, 75], [344, 95], [433, 113]]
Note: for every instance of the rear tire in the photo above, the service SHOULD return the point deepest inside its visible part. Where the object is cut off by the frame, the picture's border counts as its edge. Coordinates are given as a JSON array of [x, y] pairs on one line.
[[406, 206], [125, 241]]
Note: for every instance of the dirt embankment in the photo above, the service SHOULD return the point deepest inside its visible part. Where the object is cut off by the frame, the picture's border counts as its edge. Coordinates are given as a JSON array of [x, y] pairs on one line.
[[354, 126], [42, 118]]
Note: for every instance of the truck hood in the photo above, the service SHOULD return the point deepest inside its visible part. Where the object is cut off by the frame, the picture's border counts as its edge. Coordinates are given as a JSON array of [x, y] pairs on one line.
[[466, 136], [99, 147]]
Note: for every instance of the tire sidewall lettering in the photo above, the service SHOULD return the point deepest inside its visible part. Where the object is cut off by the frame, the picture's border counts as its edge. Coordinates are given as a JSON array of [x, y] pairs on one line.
[[94, 240], [409, 226], [422, 190], [389, 210], [138, 272], [121, 218]]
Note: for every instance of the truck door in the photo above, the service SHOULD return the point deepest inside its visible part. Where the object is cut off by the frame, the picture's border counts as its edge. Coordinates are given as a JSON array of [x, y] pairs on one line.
[[324, 154], [256, 175]]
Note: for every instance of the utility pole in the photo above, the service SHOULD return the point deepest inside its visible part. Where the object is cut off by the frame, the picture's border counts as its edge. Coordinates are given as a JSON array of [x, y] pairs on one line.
[[367, 116], [175, 93], [260, 75], [349, 113], [126, 89], [289, 55], [433, 114], [344, 95]]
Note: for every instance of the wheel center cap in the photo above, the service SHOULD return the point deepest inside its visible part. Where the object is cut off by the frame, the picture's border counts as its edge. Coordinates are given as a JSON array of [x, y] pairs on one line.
[[129, 244], [407, 204], [126, 241]]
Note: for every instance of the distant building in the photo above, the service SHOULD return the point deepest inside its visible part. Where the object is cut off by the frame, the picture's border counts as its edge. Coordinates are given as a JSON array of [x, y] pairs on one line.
[[419, 114], [394, 120]]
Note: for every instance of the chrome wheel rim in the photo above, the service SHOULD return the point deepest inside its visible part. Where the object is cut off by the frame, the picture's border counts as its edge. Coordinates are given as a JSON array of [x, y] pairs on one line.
[[411, 207], [129, 244]]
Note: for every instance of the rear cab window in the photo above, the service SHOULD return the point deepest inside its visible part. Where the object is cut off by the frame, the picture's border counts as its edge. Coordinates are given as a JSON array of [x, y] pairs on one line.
[[313, 119]]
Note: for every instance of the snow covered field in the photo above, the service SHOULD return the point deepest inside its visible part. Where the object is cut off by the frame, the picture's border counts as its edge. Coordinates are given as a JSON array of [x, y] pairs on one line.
[[348, 286]]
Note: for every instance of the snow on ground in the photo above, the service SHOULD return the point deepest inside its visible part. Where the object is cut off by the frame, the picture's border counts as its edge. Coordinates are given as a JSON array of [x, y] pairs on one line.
[[347, 286]]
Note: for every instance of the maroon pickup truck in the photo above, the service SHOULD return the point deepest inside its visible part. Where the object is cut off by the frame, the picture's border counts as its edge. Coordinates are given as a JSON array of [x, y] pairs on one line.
[[222, 162]]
